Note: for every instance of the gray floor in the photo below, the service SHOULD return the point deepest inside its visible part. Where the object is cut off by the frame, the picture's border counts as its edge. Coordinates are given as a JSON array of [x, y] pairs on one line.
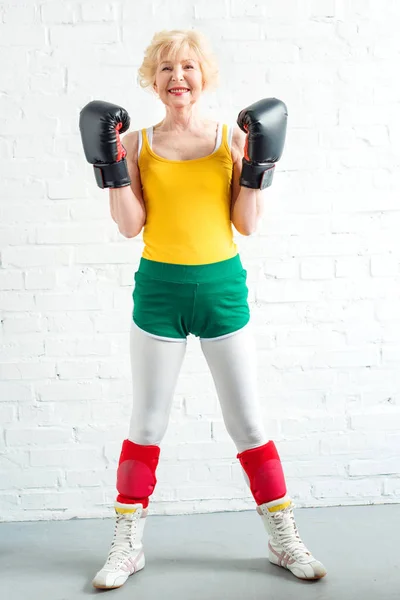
[[207, 557]]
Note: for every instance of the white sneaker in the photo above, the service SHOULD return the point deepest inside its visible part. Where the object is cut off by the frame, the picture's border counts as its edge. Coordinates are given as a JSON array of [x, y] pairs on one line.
[[285, 547], [126, 554]]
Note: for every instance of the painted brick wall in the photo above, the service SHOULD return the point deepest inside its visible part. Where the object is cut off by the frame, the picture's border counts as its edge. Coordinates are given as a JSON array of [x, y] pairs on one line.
[[323, 267]]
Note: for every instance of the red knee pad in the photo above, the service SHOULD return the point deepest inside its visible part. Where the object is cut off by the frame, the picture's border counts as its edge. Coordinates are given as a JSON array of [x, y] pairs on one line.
[[263, 467], [136, 474]]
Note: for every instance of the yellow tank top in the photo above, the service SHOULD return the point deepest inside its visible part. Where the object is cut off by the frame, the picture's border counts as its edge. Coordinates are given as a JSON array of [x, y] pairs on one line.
[[188, 206]]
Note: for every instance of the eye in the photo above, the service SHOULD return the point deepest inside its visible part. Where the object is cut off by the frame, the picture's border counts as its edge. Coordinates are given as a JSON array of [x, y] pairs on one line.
[[189, 67], [166, 69]]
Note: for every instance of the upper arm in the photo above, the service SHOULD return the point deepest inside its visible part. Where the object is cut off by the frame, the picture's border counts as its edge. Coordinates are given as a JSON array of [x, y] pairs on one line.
[[130, 142], [238, 142], [237, 153]]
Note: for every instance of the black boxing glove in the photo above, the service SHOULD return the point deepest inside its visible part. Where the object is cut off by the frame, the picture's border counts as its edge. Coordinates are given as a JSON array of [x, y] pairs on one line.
[[264, 122], [100, 124]]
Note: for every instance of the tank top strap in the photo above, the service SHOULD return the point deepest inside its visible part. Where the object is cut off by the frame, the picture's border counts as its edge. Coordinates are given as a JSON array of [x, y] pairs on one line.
[[149, 135], [145, 136], [219, 137], [226, 142], [140, 141], [229, 134]]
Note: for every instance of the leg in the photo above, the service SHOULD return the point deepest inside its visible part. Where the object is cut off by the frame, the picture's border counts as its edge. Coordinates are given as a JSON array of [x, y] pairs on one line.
[[156, 363], [232, 361]]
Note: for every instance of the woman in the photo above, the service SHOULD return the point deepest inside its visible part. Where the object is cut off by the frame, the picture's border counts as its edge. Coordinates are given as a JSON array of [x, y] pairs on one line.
[[186, 181]]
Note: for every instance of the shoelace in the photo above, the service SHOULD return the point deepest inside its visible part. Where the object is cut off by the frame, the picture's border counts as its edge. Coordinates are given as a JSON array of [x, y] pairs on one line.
[[121, 544], [288, 535]]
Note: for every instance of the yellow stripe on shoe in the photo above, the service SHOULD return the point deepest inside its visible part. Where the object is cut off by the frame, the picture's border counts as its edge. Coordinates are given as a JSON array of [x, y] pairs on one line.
[[125, 511], [279, 506]]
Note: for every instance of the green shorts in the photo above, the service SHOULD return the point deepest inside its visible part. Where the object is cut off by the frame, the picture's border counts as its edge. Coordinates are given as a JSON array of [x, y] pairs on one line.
[[205, 300]]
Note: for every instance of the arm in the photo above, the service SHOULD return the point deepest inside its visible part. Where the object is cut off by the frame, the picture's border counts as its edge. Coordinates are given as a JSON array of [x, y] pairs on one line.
[[127, 206], [115, 165], [246, 203]]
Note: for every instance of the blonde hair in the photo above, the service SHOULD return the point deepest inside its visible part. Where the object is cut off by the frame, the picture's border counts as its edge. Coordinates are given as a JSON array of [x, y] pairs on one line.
[[170, 43]]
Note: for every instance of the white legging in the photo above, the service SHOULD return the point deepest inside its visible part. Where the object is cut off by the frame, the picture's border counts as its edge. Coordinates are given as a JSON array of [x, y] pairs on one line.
[[156, 363]]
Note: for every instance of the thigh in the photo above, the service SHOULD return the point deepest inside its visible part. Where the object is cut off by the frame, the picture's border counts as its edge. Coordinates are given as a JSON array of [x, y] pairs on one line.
[[155, 363], [221, 307], [162, 308], [233, 364]]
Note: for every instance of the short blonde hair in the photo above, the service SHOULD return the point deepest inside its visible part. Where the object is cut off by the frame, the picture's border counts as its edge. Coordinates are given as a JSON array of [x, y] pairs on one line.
[[170, 43]]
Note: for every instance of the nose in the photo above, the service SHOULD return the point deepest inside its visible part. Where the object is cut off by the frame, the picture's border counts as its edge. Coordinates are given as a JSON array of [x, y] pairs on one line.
[[177, 74]]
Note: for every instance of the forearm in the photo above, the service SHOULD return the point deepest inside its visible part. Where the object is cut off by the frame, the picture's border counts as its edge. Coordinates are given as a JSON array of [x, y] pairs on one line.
[[247, 210], [127, 211]]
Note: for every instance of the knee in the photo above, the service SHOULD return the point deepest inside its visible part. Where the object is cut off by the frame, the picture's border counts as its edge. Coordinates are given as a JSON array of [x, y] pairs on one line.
[[146, 435], [136, 475], [248, 437], [264, 471]]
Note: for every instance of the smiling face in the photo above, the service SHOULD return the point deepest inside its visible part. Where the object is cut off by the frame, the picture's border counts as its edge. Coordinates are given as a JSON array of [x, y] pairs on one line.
[[179, 79]]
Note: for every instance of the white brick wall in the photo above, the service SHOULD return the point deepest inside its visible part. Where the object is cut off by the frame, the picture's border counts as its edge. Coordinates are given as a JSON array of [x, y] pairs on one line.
[[323, 267]]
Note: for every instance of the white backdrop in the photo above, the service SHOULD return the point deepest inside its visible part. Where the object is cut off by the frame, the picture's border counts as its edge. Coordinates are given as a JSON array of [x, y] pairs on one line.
[[323, 267]]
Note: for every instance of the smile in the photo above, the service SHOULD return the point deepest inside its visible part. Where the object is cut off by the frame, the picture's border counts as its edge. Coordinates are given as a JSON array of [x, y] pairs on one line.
[[178, 90]]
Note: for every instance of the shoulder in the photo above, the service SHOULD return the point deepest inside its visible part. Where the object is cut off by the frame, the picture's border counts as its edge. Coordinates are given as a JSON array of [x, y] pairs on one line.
[[238, 142], [238, 138], [130, 142]]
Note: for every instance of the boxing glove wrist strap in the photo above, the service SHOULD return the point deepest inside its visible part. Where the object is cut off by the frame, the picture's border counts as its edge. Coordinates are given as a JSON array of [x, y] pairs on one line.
[[256, 176], [114, 175]]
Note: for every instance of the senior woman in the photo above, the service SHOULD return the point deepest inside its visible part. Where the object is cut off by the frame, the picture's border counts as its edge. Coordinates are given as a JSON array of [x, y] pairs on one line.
[[185, 181]]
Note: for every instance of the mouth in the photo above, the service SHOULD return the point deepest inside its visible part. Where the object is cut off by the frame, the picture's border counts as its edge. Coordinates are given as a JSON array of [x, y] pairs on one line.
[[178, 91]]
